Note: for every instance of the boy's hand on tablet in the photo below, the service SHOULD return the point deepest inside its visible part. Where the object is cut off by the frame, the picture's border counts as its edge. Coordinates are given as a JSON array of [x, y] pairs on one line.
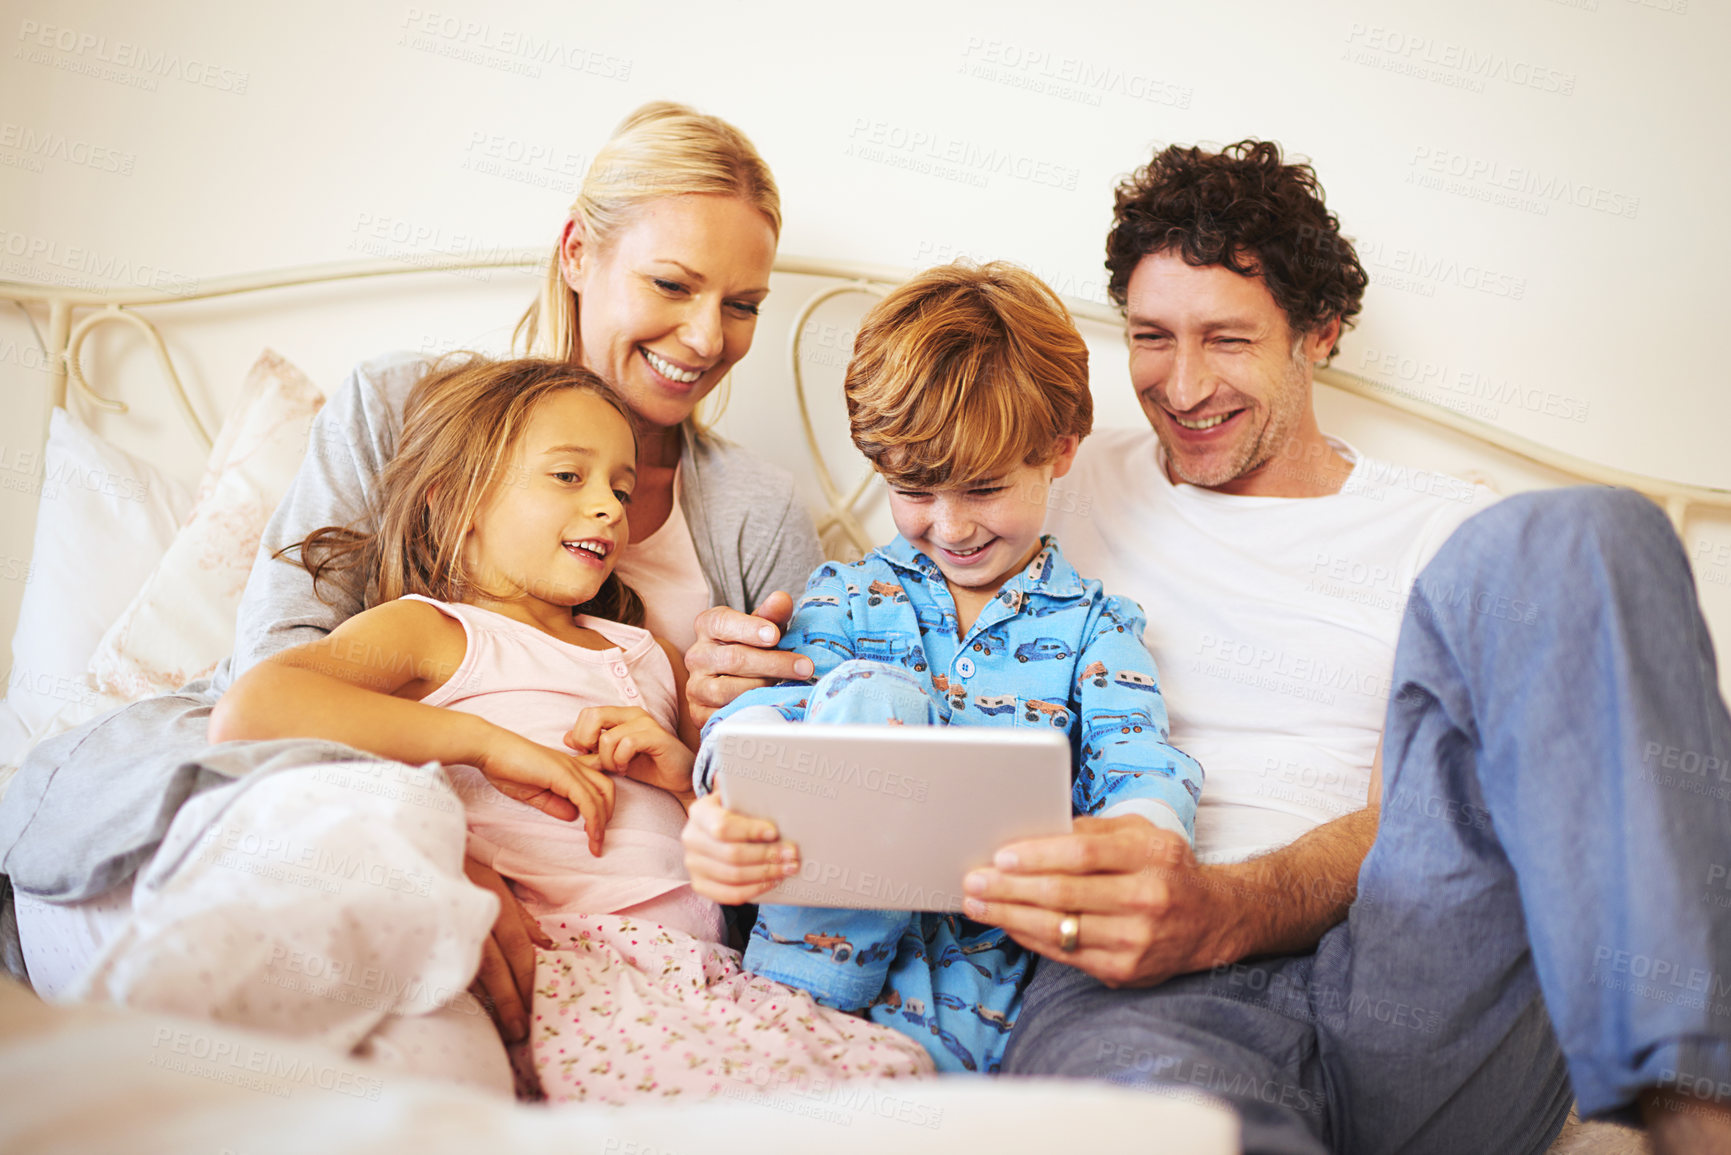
[[733, 858], [736, 652], [626, 740]]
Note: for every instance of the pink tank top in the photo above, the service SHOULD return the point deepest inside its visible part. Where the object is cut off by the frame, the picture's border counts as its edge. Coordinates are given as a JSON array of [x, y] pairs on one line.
[[528, 681]]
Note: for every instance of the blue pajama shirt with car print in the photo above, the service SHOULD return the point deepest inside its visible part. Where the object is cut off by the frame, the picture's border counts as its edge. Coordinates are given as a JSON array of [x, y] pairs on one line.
[[1050, 649]]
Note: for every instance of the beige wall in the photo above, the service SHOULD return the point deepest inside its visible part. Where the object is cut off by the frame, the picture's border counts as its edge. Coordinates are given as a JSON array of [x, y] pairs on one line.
[[1530, 180]]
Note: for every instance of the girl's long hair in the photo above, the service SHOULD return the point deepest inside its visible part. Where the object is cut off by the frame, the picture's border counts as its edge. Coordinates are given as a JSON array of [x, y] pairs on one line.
[[661, 150], [461, 425]]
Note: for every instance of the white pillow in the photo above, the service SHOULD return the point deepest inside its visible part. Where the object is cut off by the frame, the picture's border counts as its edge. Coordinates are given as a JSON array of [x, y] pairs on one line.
[[181, 623], [103, 521]]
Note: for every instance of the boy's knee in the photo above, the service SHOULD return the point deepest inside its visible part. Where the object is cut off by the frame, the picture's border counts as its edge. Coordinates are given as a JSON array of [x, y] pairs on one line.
[[865, 691], [855, 668]]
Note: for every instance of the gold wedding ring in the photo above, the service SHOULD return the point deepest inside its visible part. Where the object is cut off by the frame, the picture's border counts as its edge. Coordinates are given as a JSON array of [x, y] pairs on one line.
[[1069, 932]]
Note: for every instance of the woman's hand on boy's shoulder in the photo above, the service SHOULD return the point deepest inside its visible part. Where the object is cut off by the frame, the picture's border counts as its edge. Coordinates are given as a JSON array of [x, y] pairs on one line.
[[735, 652]]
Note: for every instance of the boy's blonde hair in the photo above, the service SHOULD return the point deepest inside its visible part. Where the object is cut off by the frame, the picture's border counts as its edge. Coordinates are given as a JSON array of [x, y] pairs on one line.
[[661, 150], [460, 426], [964, 372]]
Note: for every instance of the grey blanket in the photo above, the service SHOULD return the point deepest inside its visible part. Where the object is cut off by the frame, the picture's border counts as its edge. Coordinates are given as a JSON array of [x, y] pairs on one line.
[[89, 807], [135, 769]]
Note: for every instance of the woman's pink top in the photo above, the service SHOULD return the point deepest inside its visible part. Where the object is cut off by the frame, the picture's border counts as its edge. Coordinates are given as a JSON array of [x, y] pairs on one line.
[[664, 570], [519, 677]]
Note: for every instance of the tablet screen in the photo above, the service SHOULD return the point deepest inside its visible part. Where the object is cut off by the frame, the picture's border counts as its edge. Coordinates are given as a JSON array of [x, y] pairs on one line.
[[892, 817]]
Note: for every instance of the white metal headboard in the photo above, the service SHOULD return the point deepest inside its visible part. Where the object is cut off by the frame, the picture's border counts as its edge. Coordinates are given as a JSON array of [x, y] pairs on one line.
[[73, 314]]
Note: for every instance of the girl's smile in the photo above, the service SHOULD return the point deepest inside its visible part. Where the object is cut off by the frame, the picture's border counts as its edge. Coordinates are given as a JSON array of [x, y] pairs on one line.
[[550, 530]]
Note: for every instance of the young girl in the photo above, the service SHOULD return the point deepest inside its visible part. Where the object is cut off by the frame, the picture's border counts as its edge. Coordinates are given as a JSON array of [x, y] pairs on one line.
[[491, 594]]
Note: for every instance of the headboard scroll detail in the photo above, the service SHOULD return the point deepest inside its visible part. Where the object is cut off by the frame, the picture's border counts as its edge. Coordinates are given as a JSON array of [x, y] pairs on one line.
[[66, 339]]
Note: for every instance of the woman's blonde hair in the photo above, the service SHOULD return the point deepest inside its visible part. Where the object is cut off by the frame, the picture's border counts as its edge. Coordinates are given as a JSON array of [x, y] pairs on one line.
[[661, 150], [460, 426], [964, 371]]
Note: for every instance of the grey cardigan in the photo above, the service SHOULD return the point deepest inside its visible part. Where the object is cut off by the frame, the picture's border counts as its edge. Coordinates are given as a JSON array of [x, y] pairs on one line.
[[89, 807], [751, 534]]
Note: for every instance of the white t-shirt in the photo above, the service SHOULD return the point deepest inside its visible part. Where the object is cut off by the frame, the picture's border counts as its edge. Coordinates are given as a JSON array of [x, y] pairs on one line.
[[1272, 620], [664, 570]]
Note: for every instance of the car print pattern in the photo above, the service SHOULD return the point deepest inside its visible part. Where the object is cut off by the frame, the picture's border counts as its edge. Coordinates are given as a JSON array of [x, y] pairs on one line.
[[1050, 650]]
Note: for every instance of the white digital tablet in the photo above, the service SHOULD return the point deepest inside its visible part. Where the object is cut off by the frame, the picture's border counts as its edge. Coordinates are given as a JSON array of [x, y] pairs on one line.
[[892, 817]]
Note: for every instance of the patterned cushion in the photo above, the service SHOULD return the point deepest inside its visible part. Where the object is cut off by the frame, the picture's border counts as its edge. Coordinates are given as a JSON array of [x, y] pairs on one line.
[[181, 624]]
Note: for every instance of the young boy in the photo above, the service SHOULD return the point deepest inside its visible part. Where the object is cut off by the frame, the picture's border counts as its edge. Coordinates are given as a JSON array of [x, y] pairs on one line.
[[968, 391]]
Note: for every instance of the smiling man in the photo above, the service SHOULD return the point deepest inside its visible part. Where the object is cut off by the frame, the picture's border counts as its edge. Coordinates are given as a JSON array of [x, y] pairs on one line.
[[1225, 381], [1354, 965], [1439, 963]]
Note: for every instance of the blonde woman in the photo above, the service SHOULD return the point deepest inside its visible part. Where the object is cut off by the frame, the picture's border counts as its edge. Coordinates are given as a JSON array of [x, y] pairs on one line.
[[654, 285]]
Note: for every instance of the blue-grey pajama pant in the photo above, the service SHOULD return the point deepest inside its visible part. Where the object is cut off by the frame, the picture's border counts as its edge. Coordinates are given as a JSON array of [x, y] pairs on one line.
[[1544, 914]]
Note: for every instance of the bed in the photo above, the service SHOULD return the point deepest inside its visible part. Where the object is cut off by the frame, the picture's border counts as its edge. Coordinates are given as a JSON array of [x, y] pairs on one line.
[[175, 539]]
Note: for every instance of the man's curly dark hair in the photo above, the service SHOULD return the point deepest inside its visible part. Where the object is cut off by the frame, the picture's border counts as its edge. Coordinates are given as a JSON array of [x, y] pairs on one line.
[[1245, 208]]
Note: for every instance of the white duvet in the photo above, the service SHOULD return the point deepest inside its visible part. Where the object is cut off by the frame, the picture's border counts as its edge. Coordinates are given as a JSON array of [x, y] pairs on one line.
[[90, 1079]]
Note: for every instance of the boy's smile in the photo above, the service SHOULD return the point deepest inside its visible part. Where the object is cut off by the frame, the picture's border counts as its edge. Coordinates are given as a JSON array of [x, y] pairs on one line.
[[980, 535]]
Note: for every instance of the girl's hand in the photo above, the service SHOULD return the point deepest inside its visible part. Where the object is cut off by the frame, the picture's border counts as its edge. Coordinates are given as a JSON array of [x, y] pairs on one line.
[[529, 772], [506, 980], [732, 858], [626, 740]]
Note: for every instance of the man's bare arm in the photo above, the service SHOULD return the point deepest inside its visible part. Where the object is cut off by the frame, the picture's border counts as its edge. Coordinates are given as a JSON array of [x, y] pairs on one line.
[[1297, 893], [1286, 900]]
